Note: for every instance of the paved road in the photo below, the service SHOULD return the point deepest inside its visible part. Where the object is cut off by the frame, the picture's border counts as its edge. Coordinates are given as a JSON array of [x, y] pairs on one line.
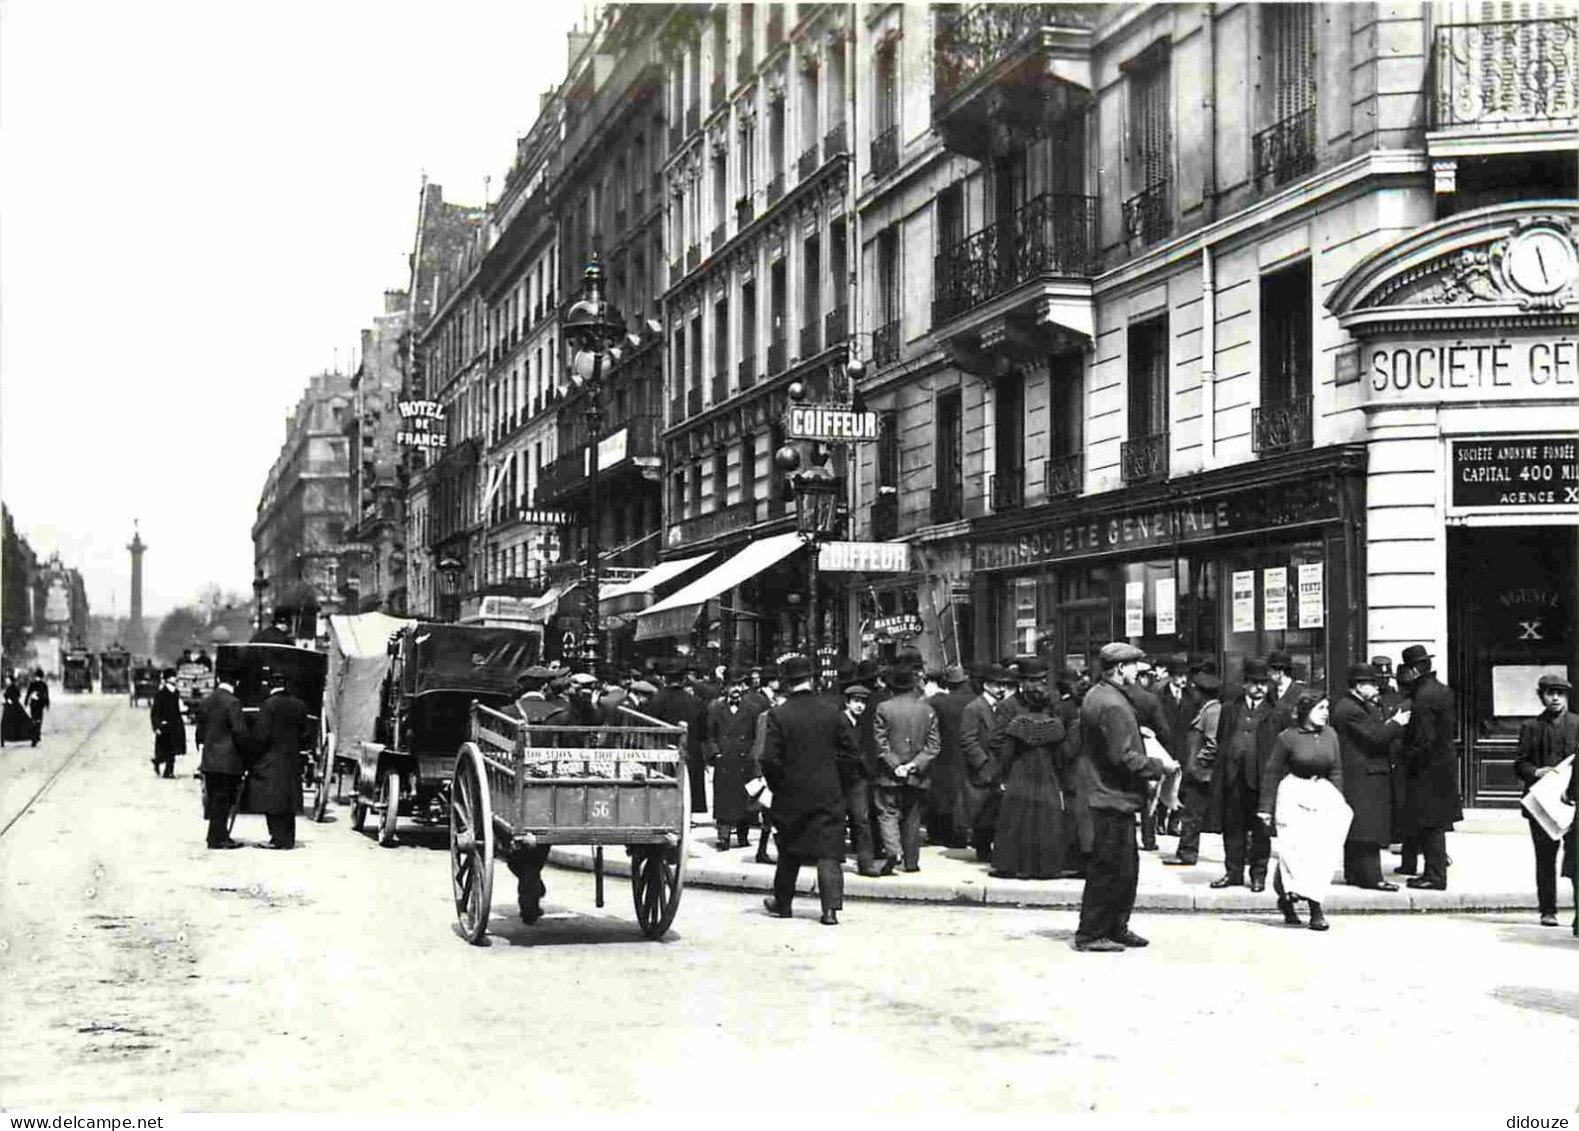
[[139, 970]]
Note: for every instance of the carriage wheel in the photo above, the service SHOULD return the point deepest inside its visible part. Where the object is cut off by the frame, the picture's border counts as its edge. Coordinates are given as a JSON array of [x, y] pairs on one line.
[[471, 846], [325, 771], [391, 795], [657, 879]]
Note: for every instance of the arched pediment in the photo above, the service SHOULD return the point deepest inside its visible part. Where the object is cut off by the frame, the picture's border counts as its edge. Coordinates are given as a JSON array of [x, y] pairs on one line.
[[1512, 264]]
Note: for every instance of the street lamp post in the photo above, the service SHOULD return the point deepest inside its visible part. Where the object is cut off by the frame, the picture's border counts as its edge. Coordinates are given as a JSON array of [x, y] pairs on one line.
[[817, 493], [594, 328]]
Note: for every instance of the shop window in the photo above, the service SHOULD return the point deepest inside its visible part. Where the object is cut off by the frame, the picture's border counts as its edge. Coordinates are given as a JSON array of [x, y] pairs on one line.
[[1283, 419], [1269, 603]]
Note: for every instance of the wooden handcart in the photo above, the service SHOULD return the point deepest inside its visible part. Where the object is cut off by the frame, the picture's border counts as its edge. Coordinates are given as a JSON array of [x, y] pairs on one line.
[[520, 786]]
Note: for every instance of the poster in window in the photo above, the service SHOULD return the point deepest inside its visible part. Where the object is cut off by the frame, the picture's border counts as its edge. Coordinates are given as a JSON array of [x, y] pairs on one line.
[[1274, 598], [1312, 596], [1244, 600], [1134, 608], [1164, 601], [1025, 614]]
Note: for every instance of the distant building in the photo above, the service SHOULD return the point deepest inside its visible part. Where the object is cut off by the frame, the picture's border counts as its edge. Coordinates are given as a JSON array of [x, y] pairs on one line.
[[374, 564]]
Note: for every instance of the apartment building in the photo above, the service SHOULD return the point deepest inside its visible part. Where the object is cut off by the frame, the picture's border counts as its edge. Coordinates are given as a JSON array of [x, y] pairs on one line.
[[374, 562]]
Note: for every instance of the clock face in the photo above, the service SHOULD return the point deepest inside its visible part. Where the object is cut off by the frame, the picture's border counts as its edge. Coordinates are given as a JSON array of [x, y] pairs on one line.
[[1541, 262]]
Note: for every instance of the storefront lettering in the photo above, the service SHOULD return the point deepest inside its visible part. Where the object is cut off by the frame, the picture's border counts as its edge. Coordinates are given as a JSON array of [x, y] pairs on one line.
[[1468, 369], [1528, 472]]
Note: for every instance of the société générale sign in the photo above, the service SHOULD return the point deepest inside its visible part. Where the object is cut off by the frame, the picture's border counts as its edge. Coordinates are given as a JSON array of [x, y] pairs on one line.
[[830, 423], [1462, 370], [1523, 471], [421, 425], [1199, 519]]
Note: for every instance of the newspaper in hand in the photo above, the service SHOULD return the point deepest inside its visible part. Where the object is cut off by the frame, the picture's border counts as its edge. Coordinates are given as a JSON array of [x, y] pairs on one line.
[[1547, 802]]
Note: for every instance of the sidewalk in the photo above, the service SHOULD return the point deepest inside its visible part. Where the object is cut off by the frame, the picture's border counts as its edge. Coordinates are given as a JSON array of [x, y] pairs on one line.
[[1493, 870]]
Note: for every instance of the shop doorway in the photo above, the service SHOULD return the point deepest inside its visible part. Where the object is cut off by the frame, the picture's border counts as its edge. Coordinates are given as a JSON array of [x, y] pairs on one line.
[[1510, 605]]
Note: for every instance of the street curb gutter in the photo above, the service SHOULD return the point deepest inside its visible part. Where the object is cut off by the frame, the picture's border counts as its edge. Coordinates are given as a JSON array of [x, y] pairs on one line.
[[1011, 893]]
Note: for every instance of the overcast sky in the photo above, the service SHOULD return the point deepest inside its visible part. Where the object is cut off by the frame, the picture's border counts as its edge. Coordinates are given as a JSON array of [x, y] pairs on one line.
[[199, 204]]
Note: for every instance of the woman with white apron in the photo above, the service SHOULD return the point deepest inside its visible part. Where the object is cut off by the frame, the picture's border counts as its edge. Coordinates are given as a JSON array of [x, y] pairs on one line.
[[1302, 803]]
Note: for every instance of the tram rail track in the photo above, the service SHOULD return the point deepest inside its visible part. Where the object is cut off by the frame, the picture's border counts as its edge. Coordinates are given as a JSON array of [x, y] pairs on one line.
[[65, 764]]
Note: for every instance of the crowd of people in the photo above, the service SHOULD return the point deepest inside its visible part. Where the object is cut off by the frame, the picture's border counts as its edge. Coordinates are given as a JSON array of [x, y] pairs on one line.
[[22, 713]]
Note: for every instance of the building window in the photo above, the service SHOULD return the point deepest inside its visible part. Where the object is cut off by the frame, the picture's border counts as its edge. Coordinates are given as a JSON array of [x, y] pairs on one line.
[[885, 111], [885, 338], [1286, 148], [696, 487], [1145, 455], [1008, 481], [720, 478], [1147, 215], [1283, 419], [888, 451], [950, 452], [677, 494], [748, 468]]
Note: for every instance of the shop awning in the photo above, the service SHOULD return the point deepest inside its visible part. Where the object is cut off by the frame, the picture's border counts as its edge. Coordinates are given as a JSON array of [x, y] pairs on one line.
[[541, 611], [676, 614], [632, 596]]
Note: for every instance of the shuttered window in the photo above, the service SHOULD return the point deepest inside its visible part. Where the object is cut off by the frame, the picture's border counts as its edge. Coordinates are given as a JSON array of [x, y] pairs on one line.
[[1148, 378], [1291, 48], [1151, 136]]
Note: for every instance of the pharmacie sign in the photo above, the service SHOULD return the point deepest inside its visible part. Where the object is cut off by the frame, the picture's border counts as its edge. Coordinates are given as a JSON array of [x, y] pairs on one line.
[[830, 423], [1472, 369], [421, 425], [1518, 472]]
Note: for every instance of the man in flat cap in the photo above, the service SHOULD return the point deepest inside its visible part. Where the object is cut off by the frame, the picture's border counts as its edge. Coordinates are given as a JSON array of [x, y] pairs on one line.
[[1433, 805], [1116, 770], [1544, 742], [857, 783], [1365, 741]]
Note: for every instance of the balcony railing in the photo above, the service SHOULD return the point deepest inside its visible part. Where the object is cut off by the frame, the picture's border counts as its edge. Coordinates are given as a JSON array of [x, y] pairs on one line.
[[775, 189], [1008, 490], [693, 257], [693, 401], [1054, 234], [948, 503], [721, 384], [971, 41], [1065, 476], [885, 517], [836, 326], [1492, 73], [1281, 426], [723, 521], [1287, 151], [885, 344], [835, 142], [693, 119], [744, 212], [746, 371], [810, 336], [806, 164], [1144, 459], [885, 153], [719, 237], [776, 353], [1146, 217]]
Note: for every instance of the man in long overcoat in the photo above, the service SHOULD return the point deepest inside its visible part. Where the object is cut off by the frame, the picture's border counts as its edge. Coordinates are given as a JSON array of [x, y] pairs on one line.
[[275, 788], [730, 728], [36, 700], [948, 817], [1433, 805], [906, 730], [805, 741], [1365, 741], [977, 740], [222, 736], [679, 706], [1245, 734], [169, 728]]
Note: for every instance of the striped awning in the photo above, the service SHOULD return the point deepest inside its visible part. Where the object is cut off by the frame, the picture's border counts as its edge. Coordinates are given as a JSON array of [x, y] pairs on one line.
[[676, 614], [635, 595]]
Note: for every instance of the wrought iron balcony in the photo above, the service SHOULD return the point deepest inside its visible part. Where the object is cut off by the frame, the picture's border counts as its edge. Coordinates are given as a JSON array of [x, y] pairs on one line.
[[693, 119], [1144, 459], [1008, 490], [1146, 215], [1494, 73], [806, 164], [810, 336], [1054, 234], [835, 141], [1281, 426], [1064, 476], [885, 344], [948, 503], [721, 383], [746, 371], [885, 153], [776, 353], [835, 327], [744, 212], [885, 517], [971, 41], [693, 257], [1287, 151], [719, 237], [775, 189], [693, 400]]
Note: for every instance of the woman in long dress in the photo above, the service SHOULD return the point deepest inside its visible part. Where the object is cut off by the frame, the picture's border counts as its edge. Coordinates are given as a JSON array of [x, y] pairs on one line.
[[1302, 802], [15, 726], [1032, 841]]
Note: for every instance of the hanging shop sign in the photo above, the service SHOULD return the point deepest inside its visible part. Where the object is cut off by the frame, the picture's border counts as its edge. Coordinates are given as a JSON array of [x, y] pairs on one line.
[[901, 626], [421, 425], [1516, 473], [830, 423], [1470, 369], [865, 557], [1248, 510]]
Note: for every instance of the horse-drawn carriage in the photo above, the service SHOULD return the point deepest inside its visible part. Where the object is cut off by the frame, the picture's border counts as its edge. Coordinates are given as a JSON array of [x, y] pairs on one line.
[[76, 670], [436, 672], [359, 658], [145, 681], [520, 787], [115, 671]]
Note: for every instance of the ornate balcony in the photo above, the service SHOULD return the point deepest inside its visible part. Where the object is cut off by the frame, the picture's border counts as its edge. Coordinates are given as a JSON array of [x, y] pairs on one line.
[[1514, 72], [1147, 217], [776, 359], [1022, 67], [1064, 476], [810, 336], [775, 189], [1287, 151], [1144, 459], [1281, 426], [836, 326], [885, 517], [885, 153], [1008, 490], [746, 371], [835, 141], [885, 344], [806, 164], [1052, 236], [948, 503], [634, 440]]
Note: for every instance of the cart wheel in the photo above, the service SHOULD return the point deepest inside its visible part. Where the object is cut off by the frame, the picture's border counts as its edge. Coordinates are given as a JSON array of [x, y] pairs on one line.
[[391, 795], [325, 769], [471, 846], [657, 879]]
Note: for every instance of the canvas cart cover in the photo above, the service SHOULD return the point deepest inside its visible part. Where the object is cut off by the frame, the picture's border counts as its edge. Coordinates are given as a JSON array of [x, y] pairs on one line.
[[358, 661], [468, 658]]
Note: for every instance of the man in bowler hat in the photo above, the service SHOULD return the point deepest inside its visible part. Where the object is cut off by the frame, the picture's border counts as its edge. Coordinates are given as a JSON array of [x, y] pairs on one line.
[[906, 729], [1433, 805], [1365, 742]]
